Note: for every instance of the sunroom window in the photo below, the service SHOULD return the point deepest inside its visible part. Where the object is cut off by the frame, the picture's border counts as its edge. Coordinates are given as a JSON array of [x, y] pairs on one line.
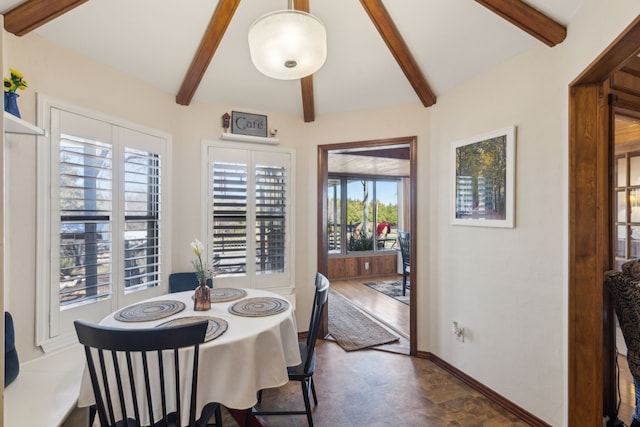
[[362, 214]]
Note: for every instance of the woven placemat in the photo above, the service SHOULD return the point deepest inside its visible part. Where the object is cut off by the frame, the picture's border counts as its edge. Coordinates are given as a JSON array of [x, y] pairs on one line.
[[259, 306], [227, 294], [215, 328], [150, 310]]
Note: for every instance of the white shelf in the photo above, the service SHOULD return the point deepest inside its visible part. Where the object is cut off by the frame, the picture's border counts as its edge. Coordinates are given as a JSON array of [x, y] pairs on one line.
[[13, 124], [249, 138]]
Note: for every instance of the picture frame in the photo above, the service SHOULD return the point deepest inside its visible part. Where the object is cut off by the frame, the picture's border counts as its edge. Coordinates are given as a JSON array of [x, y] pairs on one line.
[[483, 179], [248, 124]]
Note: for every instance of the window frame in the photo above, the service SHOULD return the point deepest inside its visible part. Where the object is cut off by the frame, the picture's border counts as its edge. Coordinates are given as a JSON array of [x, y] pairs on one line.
[[52, 329], [343, 233], [629, 191], [283, 283]]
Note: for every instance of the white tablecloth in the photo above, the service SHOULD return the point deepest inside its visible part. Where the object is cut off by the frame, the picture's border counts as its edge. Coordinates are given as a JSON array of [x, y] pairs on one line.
[[253, 353]]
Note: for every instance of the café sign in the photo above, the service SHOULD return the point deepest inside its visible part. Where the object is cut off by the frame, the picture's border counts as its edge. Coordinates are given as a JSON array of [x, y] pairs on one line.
[[248, 124]]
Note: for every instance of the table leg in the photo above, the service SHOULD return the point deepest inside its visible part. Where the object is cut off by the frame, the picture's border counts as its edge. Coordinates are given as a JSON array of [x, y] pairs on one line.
[[240, 416]]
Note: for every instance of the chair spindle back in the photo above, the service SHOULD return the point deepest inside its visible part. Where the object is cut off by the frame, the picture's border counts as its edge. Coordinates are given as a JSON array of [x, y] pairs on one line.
[[128, 366]]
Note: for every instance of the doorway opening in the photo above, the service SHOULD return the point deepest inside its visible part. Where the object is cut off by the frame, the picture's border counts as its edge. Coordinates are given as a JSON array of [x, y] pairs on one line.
[[366, 196]]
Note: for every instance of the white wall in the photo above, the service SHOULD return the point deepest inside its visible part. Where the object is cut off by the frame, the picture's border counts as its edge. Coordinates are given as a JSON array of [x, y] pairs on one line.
[[506, 287], [2, 216], [203, 122], [62, 74]]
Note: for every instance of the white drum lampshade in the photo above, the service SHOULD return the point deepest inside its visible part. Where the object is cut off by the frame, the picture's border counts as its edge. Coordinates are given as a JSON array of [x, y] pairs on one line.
[[288, 44]]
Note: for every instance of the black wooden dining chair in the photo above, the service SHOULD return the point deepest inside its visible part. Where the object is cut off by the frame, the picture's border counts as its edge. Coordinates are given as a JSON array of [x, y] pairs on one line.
[[404, 238], [304, 371], [146, 366], [185, 281]]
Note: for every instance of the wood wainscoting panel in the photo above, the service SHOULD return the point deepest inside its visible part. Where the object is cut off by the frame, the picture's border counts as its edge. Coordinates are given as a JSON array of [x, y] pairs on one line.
[[356, 266]]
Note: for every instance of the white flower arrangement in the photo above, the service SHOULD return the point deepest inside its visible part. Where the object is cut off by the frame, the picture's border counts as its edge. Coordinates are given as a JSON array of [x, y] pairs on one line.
[[202, 270]]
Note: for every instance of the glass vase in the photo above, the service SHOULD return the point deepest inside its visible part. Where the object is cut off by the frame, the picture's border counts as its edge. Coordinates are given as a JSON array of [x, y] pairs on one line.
[[202, 298]]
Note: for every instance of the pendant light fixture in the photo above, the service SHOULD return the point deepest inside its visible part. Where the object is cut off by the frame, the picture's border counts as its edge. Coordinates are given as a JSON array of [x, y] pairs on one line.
[[288, 44]]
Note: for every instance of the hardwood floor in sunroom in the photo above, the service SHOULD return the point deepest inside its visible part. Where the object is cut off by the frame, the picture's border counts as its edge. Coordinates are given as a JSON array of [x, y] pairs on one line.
[[389, 311], [627, 391]]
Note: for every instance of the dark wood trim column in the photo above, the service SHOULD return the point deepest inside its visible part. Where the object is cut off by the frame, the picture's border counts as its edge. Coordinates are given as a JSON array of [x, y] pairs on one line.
[[588, 254], [589, 230], [323, 241]]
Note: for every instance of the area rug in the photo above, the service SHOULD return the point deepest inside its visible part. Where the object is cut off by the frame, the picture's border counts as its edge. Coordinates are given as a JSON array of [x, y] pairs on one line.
[[352, 328], [392, 288]]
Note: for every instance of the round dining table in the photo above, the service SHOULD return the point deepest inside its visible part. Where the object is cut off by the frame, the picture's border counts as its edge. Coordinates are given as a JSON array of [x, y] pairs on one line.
[[252, 352]]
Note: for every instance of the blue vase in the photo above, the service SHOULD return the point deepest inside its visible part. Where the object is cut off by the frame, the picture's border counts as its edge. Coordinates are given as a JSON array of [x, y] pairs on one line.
[[11, 103]]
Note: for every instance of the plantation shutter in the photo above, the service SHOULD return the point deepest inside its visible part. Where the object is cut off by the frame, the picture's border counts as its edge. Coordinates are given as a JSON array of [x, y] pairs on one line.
[[85, 238], [142, 206], [230, 216], [250, 216], [101, 221], [271, 205], [87, 214]]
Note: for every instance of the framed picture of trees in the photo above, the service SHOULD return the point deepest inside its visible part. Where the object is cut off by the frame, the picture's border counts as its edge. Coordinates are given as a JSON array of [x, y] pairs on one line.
[[483, 179]]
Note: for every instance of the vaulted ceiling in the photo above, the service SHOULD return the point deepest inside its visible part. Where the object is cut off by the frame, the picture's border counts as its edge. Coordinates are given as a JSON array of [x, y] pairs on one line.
[[379, 53]]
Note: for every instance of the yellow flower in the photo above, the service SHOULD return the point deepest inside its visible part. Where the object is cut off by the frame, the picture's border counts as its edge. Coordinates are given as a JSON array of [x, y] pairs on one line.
[[16, 73], [8, 84], [15, 82]]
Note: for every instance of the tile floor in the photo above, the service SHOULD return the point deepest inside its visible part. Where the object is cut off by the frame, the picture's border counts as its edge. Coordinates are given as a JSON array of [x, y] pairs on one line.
[[371, 388]]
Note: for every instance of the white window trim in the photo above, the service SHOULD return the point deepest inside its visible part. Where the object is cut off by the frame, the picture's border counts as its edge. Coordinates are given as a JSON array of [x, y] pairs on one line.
[[285, 289], [43, 217]]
